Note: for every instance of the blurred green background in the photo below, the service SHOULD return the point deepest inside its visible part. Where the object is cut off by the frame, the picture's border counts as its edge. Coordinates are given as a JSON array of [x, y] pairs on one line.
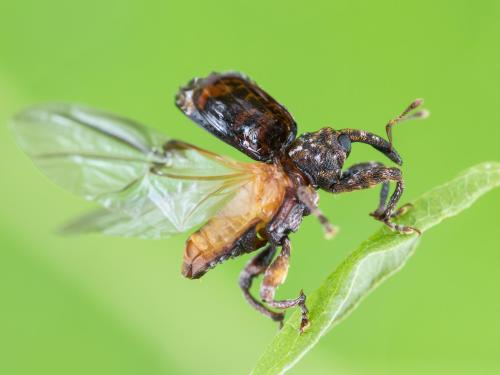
[[97, 305]]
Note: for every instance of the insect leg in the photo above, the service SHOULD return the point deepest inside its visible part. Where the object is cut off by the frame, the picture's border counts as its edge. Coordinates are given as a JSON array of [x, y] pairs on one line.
[[384, 192], [255, 267], [369, 175], [309, 197], [275, 276]]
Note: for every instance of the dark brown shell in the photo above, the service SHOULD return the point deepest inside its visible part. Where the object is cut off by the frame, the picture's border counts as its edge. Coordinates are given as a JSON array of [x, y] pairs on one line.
[[236, 110], [320, 156]]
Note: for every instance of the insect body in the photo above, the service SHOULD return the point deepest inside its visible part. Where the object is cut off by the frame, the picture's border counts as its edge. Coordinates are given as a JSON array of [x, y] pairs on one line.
[[153, 187]]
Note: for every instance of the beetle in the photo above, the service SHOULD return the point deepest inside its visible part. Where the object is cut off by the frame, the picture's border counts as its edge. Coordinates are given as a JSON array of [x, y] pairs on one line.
[[150, 186]]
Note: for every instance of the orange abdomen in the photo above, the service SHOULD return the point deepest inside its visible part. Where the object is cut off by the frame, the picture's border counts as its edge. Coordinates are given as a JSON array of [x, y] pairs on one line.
[[253, 206]]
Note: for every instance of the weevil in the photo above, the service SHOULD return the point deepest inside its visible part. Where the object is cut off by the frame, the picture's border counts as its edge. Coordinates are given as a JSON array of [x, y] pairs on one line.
[[151, 186]]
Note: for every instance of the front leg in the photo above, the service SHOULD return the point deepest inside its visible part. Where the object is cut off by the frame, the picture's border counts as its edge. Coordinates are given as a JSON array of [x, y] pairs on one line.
[[367, 175], [275, 276]]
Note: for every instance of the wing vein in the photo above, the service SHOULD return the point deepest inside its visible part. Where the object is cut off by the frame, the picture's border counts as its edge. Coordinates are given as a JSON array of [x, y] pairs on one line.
[[205, 197], [100, 130], [63, 155]]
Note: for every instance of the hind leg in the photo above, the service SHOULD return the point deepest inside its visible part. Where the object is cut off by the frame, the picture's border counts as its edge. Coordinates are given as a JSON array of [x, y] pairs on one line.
[[275, 276], [254, 268]]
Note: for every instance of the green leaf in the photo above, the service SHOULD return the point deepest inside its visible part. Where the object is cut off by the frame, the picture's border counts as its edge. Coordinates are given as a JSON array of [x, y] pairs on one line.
[[375, 260]]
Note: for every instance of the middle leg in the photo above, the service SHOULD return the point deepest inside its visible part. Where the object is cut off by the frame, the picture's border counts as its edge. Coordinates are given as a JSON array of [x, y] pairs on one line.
[[309, 198]]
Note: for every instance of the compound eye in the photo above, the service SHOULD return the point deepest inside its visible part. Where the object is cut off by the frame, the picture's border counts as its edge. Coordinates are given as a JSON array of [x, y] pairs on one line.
[[345, 142]]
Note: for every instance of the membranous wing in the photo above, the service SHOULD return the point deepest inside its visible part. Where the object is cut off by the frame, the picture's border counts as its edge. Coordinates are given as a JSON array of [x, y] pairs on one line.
[[149, 186]]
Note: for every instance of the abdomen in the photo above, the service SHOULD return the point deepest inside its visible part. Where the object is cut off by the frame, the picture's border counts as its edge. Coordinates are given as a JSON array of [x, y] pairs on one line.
[[235, 229]]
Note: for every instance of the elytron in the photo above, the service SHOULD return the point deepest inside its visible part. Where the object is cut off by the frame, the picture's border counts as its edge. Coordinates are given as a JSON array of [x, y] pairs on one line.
[[150, 186]]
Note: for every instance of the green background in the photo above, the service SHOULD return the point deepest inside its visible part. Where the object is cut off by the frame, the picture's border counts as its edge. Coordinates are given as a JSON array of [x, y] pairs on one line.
[[96, 305]]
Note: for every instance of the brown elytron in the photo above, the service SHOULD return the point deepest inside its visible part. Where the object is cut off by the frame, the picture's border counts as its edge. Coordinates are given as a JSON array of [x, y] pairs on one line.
[[240, 113], [153, 187]]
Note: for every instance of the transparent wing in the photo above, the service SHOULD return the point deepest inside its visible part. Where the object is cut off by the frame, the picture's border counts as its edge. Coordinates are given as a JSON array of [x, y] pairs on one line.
[[150, 186]]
